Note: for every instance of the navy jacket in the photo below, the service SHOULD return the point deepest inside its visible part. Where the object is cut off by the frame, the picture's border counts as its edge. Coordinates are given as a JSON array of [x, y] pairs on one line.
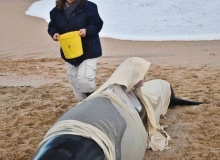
[[84, 16]]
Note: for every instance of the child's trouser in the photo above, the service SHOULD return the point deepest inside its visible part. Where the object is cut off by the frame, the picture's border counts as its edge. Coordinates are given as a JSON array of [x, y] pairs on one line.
[[82, 77]]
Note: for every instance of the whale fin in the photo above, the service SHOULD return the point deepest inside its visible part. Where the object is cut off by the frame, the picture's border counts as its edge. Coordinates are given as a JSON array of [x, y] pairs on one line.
[[182, 102], [174, 101]]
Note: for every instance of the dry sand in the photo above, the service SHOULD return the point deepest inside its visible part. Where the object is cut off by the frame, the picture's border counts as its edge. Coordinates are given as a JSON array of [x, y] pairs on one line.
[[34, 91]]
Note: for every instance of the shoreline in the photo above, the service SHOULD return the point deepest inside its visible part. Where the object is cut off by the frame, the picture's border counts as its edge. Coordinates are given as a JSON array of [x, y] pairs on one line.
[[26, 37]]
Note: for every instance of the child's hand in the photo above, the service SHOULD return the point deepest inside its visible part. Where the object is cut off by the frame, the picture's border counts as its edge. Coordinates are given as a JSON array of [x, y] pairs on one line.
[[56, 36], [82, 32]]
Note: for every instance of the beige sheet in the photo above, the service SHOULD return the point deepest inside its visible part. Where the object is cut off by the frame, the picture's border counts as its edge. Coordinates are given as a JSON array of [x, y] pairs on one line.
[[155, 95]]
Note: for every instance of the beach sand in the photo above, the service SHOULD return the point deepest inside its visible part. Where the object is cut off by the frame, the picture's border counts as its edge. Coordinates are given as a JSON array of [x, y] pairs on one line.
[[34, 90]]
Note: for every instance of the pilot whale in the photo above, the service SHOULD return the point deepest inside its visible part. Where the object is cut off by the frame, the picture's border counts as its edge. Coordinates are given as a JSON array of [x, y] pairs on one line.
[[119, 121]]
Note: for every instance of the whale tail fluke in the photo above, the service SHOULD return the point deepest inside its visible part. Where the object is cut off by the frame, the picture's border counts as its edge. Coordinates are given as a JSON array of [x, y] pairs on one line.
[[174, 101]]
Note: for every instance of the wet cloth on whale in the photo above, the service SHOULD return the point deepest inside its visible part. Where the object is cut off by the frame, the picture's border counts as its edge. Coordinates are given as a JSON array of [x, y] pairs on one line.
[[135, 138], [155, 95], [129, 73], [113, 118], [98, 113], [155, 101]]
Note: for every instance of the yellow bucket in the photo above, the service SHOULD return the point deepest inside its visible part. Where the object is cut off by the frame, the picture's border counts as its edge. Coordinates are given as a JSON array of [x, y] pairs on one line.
[[71, 44]]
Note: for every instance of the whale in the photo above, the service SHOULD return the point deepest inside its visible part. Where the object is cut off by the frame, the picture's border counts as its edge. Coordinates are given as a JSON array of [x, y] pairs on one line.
[[119, 121], [75, 147]]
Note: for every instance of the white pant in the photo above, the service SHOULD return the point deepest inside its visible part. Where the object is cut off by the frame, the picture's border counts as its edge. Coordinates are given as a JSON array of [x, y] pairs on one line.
[[82, 77]]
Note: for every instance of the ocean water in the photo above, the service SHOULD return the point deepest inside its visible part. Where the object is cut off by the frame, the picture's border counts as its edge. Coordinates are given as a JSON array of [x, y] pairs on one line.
[[154, 20]]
